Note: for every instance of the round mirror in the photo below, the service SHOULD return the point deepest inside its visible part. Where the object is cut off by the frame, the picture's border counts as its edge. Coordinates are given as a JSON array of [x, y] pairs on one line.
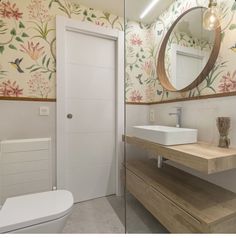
[[188, 52]]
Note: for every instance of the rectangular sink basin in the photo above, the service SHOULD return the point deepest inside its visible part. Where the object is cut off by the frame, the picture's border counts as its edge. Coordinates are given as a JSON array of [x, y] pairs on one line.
[[166, 135]]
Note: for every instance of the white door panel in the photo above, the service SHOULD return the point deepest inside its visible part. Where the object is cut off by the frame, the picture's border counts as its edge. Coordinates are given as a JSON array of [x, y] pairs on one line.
[[90, 50], [99, 181], [90, 133], [95, 78], [91, 116], [103, 148]]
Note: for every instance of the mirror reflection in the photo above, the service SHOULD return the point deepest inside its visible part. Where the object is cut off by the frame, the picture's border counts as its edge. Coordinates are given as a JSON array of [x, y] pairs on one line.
[[188, 49]]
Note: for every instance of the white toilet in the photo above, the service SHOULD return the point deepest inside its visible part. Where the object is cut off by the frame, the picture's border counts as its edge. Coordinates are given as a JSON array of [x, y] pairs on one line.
[[44, 212]]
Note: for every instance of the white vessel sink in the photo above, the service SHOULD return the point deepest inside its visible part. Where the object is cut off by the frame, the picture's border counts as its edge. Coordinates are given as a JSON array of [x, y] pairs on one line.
[[166, 135]]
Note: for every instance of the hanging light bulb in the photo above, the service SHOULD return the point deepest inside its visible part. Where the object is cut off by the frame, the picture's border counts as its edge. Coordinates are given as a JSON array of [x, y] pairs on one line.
[[211, 16]]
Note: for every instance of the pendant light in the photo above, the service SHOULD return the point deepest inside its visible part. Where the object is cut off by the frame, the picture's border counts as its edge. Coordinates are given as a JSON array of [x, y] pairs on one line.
[[211, 16]]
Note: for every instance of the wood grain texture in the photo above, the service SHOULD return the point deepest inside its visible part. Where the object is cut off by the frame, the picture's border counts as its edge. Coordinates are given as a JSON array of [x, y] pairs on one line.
[[27, 99], [169, 215], [211, 96], [201, 156], [161, 71], [182, 202]]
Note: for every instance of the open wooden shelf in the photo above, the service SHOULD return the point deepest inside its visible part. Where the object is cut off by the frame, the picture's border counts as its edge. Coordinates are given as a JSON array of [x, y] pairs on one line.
[[182, 202], [201, 156]]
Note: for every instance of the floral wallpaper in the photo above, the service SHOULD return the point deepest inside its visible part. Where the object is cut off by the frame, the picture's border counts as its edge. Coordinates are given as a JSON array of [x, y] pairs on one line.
[[28, 43], [142, 46]]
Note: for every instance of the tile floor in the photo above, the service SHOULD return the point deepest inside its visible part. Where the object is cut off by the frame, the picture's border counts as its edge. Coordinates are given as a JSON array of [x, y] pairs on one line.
[[94, 216], [107, 215]]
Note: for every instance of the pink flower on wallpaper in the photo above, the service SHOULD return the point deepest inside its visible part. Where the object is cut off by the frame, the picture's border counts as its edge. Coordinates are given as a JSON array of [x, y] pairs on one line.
[[147, 67], [39, 86], [10, 89], [38, 12], [35, 51], [136, 96], [136, 40], [98, 23], [8, 10], [228, 83]]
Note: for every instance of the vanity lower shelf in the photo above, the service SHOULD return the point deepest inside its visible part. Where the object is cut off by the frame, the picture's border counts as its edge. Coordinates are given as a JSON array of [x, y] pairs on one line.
[[181, 202], [202, 157]]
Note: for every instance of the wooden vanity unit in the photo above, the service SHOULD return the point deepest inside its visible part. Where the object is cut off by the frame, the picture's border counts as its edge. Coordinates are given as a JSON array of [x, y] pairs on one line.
[[181, 202], [184, 203], [202, 157]]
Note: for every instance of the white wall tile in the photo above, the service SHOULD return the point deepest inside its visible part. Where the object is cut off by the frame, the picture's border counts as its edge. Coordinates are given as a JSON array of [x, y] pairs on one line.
[[202, 115], [21, 120]]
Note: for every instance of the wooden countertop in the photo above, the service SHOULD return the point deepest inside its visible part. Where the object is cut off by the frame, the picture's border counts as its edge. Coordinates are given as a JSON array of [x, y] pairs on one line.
[[201, 156], [208, 203]]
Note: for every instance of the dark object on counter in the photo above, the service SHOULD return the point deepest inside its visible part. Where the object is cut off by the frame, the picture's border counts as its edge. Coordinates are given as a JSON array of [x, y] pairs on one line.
[[223, 125]]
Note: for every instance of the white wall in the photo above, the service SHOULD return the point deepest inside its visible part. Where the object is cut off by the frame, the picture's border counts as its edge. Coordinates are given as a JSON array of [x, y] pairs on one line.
[[21, 120], [202, 115], [135, 115]]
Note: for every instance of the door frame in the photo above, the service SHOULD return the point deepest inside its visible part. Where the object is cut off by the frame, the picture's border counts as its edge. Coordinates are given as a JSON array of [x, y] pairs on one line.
[[62, 26]]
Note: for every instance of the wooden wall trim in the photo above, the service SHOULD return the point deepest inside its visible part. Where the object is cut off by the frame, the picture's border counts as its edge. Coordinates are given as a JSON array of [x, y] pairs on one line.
[[27, 99], [218, 95]]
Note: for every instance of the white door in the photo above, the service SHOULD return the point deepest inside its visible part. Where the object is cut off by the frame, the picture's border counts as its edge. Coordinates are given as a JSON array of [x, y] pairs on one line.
[[90, 120], [90, 109]]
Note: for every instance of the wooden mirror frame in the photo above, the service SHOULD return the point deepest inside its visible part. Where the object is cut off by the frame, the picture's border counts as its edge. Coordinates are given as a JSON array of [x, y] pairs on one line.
[[161, 71]]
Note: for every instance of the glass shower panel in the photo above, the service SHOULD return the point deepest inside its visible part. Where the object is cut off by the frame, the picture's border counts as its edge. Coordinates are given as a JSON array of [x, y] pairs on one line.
[[140, 72]]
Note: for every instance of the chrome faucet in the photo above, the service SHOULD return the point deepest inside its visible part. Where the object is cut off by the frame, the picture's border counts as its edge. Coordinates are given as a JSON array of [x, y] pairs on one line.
[[178, 115]]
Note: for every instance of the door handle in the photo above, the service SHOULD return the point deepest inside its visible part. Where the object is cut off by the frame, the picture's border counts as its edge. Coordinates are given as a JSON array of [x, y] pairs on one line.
[[69, 116]]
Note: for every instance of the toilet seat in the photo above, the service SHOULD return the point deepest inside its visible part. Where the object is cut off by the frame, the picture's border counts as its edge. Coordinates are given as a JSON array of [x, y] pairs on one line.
[[28, 210]]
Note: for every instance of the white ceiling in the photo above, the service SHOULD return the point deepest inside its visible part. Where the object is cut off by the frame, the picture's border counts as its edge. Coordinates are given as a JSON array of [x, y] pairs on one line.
[[133, 8]]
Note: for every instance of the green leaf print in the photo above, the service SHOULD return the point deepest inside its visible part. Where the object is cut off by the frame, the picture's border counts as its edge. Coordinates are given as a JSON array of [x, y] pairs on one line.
[[24, 35], [13, 32], [232, 27], [12, 47], [1, 49], [21, 25], [19, 39]]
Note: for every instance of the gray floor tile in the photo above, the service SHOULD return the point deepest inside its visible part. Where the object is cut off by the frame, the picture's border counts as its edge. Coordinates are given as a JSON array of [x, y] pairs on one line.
[[107, 215]]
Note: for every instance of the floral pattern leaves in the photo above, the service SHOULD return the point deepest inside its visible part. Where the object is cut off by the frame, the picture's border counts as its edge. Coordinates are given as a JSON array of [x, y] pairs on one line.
[[28, 29], [10, 36], [228, 83], [143, 79], [35, 51], [10, 88], [39, 86], [69, 8], [89, 15], [136, 96], [8, 10], [112, 20]]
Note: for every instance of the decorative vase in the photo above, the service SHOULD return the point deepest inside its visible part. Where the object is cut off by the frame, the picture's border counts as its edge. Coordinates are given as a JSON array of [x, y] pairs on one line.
[[223, 125]]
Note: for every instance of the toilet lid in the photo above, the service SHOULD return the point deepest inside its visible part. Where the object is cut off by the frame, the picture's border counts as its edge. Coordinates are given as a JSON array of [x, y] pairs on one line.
[[23, 211]]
